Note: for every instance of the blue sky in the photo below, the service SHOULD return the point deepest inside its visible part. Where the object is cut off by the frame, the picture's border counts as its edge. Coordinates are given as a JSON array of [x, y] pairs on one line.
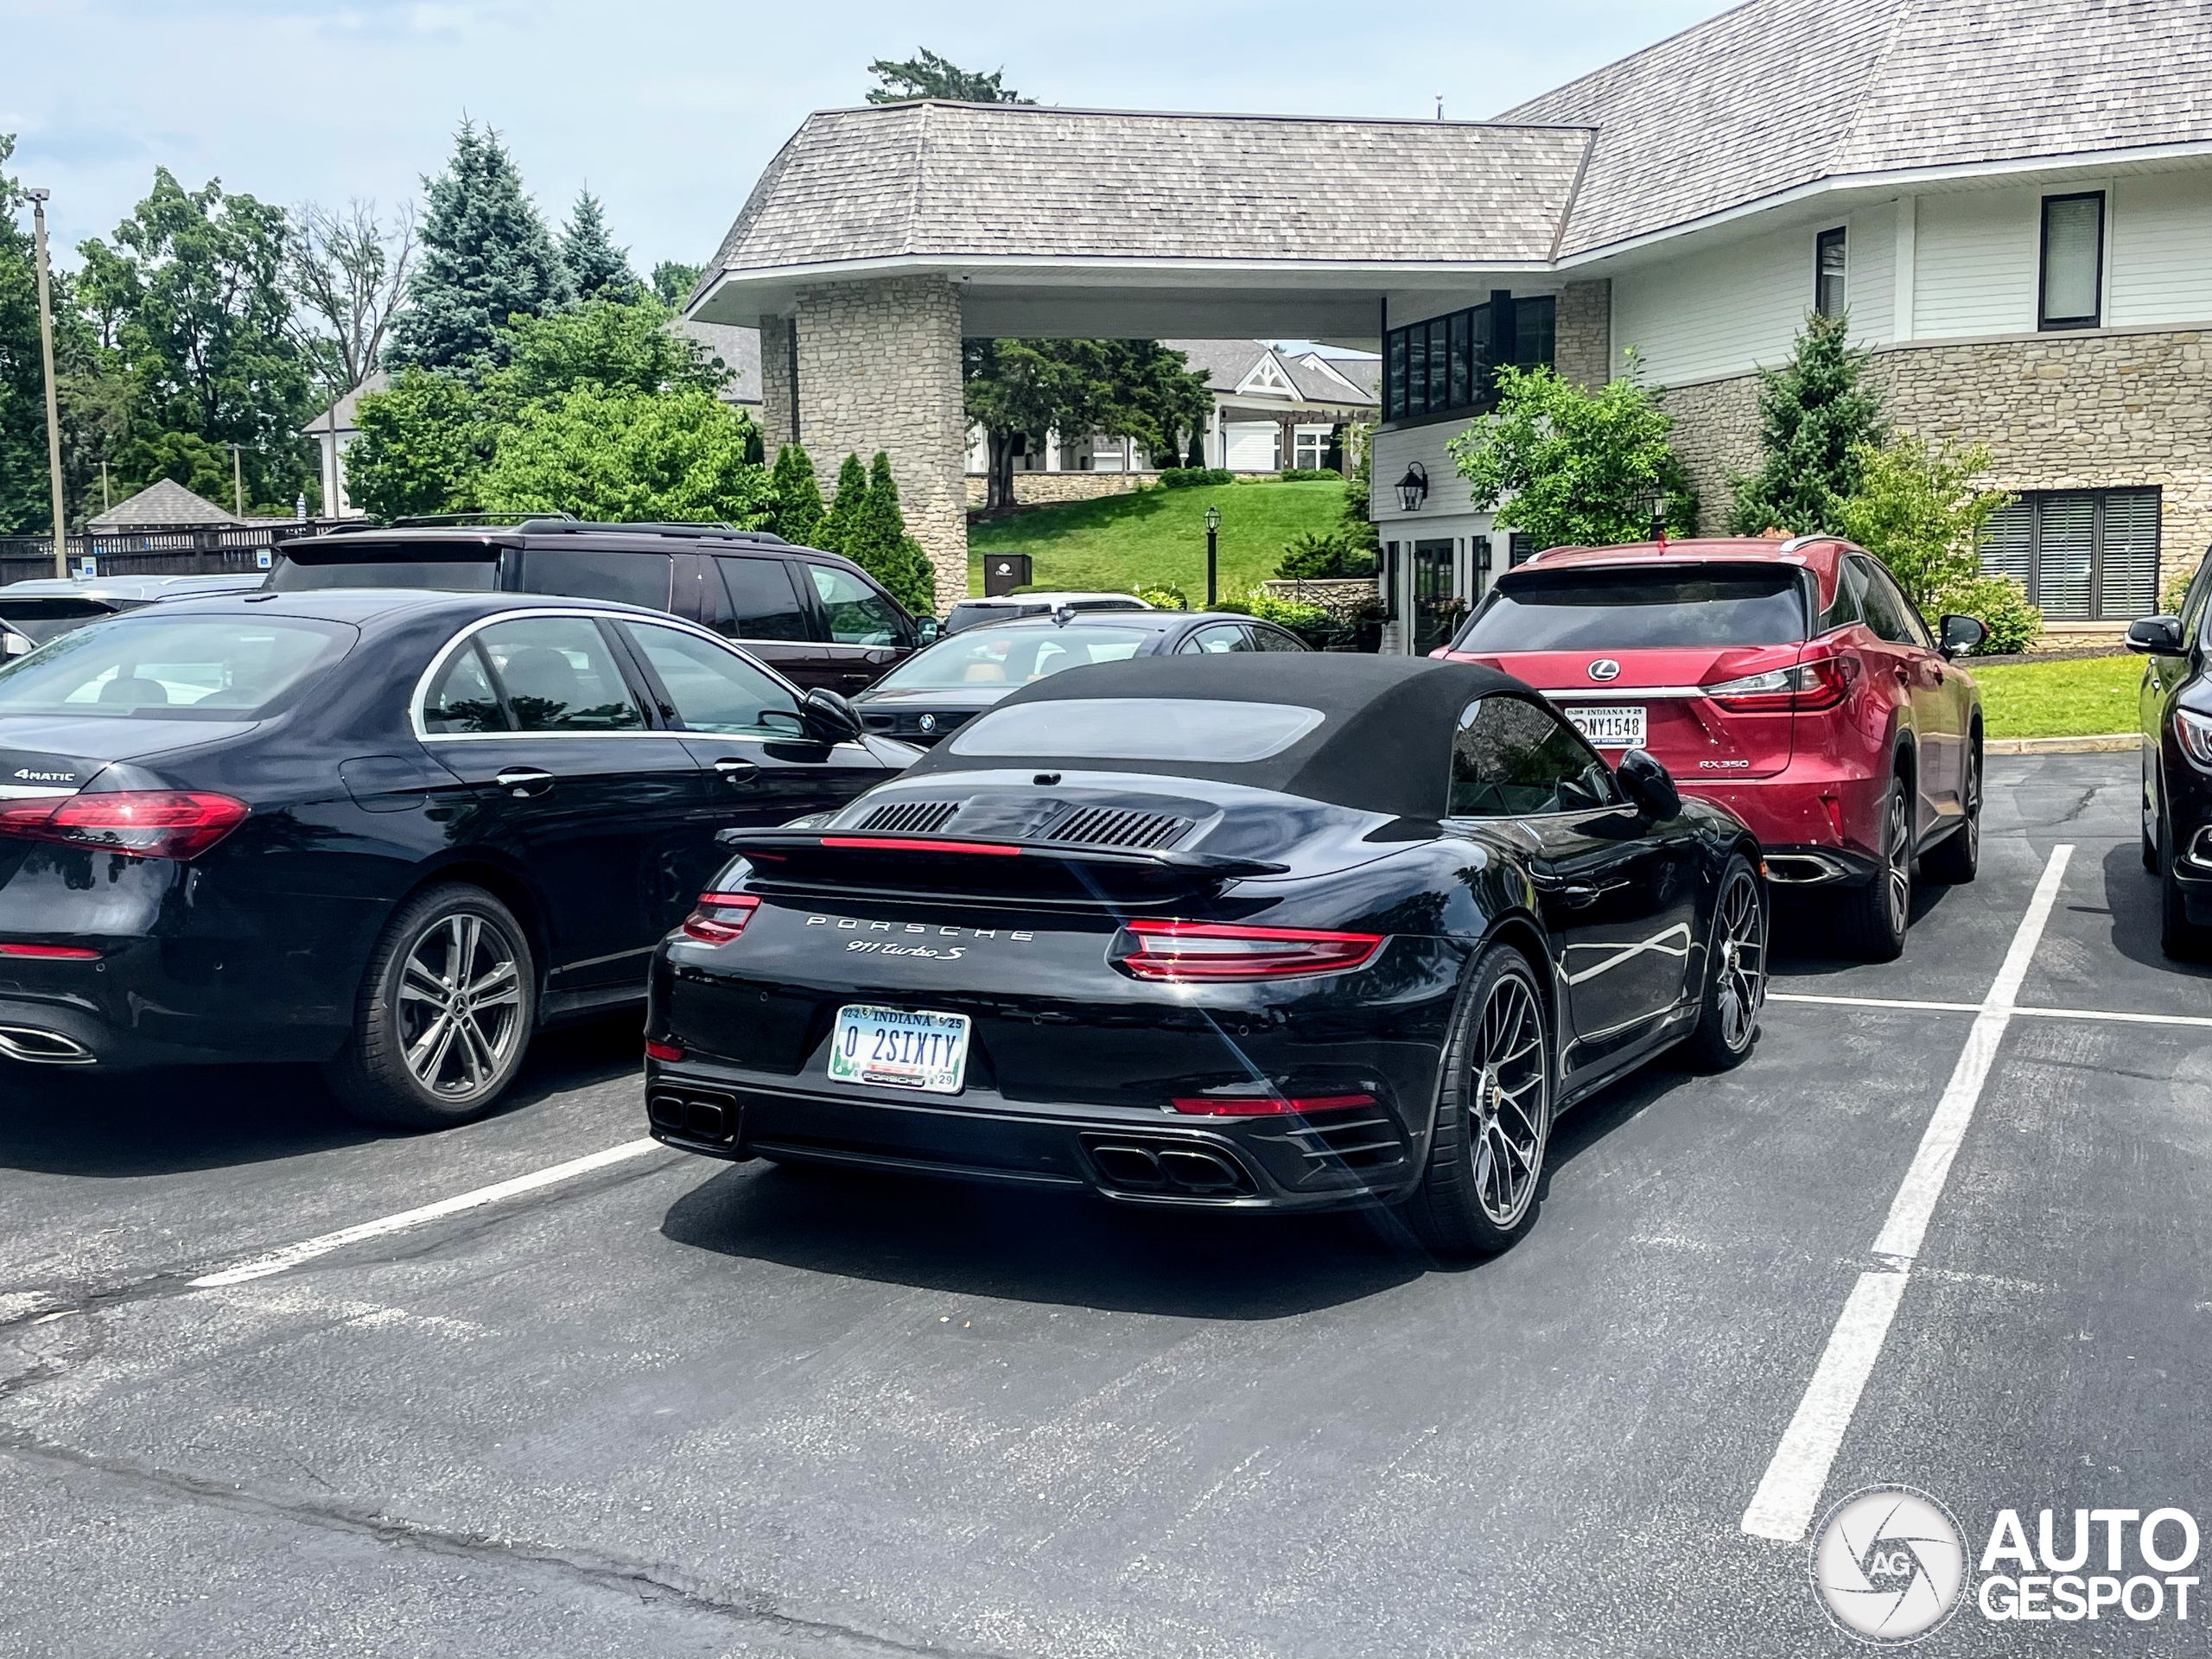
[[667, 109]]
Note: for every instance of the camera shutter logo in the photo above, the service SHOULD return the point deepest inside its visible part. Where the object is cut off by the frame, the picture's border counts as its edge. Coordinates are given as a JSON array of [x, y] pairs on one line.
[[1889, 1565], [1605, 669]]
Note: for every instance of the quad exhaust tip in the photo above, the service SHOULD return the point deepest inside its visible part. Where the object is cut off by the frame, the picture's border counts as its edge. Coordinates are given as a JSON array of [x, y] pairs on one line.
[[41, 1048]]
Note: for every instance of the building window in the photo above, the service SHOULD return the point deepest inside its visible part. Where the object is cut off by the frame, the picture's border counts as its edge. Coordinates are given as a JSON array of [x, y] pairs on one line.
[[1449, 364], [2084, 555], [1829, 294], [2073, 260]]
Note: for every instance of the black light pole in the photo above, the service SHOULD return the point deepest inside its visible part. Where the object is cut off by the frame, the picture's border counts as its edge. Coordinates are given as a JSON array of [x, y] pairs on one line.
[[1213, 523]]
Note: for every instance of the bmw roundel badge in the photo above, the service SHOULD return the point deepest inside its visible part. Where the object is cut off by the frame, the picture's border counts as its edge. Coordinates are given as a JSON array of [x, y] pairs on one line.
[[929, 722]]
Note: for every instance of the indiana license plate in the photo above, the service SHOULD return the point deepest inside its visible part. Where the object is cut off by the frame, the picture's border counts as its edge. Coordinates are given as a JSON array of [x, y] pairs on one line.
[[901, 1048], [1608, 728]]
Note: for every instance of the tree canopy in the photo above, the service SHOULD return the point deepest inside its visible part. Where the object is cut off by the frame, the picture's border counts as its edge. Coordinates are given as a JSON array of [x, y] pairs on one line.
[[617, 454], [1817, 419], [486, 258], [594, 266], [1126, 388], [927, 75], [1571, 467], [673, 281]]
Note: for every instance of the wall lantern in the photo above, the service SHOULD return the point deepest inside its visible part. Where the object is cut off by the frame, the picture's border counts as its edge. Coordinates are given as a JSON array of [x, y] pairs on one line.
[[1412, 488]]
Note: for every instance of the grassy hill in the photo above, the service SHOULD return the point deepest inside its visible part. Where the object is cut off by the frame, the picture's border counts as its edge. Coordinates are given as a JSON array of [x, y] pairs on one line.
[[1154, 537]]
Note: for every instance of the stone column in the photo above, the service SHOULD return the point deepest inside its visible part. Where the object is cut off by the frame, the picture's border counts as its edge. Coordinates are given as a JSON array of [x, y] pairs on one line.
[[879, 368], [778, 394], [1583, 332]]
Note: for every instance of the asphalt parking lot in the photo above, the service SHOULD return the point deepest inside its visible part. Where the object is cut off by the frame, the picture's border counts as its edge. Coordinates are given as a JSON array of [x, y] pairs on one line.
[[664, 1406]]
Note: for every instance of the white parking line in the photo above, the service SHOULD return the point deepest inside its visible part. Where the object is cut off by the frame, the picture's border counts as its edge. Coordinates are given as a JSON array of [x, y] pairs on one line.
[[291, 1256], [2125, 1016], [1782, 1507]]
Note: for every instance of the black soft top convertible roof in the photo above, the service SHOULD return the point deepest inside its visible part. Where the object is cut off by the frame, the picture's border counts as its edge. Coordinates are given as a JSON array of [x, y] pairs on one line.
[[1383, 744]]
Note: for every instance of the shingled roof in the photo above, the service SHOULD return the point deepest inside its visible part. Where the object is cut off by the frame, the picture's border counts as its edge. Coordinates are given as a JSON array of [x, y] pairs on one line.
[[937, 179], [1780, 94], [162, 504]]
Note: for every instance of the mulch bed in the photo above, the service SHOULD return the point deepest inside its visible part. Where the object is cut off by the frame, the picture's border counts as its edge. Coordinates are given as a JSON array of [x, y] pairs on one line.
[[2079, 654]]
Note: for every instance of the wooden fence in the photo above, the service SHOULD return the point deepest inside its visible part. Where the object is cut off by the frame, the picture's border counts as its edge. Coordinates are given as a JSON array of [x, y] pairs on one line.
[[219, 552]]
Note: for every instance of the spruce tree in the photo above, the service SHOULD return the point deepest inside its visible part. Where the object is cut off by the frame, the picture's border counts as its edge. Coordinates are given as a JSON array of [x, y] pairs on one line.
[[1815, 418], [879, 543], [486, 257], [846, 508], [594, 264], [798, 497]]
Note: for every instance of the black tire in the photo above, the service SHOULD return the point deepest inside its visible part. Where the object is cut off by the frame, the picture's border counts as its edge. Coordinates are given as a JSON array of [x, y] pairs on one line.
[[1735, 979], [423, 1055], [2150, 819], [1954, 860], [1483, 1181], [2181, 939], [1870, 921]]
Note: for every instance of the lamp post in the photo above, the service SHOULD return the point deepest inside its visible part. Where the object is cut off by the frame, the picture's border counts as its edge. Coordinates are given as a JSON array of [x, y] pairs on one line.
[[39, 199], [1213, 525], [1654, 502]]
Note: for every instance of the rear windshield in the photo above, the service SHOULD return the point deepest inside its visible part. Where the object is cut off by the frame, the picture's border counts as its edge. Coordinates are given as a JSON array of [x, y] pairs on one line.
[[1004, 657], [178, 668], [463, 568], [1622, 610], [42, 619], [1137, 728]]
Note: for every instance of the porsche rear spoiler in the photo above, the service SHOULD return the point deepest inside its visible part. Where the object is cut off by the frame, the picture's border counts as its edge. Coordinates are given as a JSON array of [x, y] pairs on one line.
[[953, 866]]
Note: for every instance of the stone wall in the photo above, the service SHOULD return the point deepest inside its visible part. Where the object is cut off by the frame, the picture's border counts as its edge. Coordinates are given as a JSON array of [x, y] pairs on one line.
[[778, 403], [2068, 411], [1040, 489], [879, 368], [1582, 336]]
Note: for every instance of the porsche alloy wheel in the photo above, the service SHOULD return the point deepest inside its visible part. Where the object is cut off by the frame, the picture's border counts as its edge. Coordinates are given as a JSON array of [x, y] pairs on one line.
[[1486, 1158], [1736, 979]]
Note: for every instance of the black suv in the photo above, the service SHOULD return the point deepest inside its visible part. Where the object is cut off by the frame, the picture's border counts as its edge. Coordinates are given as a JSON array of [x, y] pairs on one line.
[[2177, 724], [816, 619]]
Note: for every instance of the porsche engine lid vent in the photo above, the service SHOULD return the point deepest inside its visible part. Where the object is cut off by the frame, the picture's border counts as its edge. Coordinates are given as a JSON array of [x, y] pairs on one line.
[[911, 818], [1111, 826]]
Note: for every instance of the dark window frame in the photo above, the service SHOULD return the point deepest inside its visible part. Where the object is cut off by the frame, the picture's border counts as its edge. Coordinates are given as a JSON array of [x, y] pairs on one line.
[[2035, 501], [2044, 322], [1421, 361], [1837, 237]]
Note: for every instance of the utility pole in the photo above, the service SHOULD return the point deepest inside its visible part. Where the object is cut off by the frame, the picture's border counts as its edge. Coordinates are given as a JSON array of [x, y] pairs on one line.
[[237, 484], [39, 199]]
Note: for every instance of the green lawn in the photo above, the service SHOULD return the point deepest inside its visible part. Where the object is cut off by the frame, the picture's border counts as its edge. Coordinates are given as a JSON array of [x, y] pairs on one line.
[[1158, 538], [2089, 698]]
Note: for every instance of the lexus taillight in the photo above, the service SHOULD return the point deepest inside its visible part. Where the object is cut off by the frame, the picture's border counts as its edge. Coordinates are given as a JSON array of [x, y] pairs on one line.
[[1217, 950], [1266, 1105], [720, 917], [145, 823], [1806, 687]]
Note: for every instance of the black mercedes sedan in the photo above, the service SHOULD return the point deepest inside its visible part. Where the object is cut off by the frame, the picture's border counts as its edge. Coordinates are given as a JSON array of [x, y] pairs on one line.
[[1258, 931], [940, 689], [2175, 709], [395, 832]]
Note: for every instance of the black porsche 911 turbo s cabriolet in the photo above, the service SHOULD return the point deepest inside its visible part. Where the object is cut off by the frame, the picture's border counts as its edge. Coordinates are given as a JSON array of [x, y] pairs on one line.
[[1259, 931]]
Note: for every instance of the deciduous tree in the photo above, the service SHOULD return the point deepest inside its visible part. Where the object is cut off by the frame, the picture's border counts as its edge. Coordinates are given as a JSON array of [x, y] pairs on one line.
[[1921, 511], [615, 454]]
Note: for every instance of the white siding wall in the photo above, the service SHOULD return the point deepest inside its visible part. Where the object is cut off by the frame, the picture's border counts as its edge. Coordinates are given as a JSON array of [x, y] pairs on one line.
[[1715, 312], [1870, 276], [1447, 491], [2159, 248], [1975, 264]]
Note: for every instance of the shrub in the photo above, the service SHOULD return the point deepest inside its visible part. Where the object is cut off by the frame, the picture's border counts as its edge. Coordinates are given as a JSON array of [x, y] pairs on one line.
[[1323, 556], [2171, 596], [1165, 598], [1310, 476], [2001, 605], [1918, 509], [1184, 477], [1270, 607]]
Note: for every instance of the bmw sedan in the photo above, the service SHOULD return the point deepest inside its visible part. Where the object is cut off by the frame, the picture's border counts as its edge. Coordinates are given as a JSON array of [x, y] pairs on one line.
[[1230, 932], [393, 832], [938, 690]]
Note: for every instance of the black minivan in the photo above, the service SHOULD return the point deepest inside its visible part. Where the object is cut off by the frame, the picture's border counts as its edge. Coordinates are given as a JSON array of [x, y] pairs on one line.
[[2176, 714], [818, 619]]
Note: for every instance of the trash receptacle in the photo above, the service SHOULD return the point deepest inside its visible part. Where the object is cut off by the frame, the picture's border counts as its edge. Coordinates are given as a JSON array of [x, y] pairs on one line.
[[1003, 573]]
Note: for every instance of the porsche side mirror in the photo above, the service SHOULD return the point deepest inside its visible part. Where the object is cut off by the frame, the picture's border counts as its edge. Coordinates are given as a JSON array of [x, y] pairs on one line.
[[829, 718], [1649, 785], [1960, 634], [2155, 636]]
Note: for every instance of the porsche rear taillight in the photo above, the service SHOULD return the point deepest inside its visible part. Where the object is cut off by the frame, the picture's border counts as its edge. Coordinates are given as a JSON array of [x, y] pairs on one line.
[[720, 917], [143, 823], [1213, 951], [1803, 688]]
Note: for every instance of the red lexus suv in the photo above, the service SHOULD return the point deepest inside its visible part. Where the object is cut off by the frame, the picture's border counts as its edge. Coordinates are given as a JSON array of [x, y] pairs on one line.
[[1791, 681]]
